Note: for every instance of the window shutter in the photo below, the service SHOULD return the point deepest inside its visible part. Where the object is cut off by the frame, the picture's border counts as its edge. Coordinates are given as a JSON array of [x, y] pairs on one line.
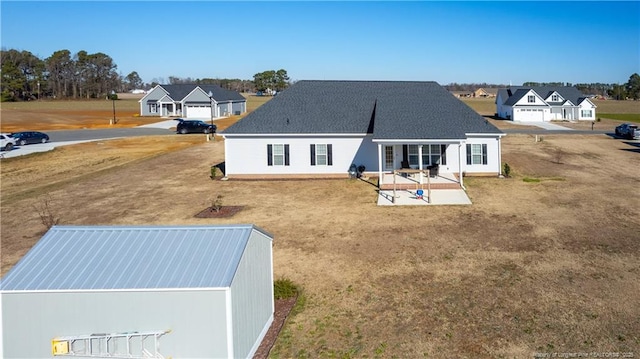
[[286, 155], [313, 155], [468, 154], [484, 154], [269, 155], [443, 154], [330, 155]]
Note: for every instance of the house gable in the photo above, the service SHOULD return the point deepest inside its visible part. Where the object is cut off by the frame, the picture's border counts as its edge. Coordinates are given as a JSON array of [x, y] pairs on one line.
[[528, 98], [155, 94], [197, 96], [554, 97]]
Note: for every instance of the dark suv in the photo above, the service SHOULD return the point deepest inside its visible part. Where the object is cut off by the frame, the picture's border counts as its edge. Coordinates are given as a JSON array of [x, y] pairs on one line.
[[28, 137], [194, 126]]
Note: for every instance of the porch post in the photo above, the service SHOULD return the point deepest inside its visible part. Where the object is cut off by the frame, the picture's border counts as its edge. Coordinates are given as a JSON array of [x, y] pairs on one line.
[[460, 164], [420, 164], [499, 157], [379, 164]]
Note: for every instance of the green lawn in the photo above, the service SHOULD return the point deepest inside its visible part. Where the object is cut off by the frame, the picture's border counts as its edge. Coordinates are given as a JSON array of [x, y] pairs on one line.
[[627, 117]]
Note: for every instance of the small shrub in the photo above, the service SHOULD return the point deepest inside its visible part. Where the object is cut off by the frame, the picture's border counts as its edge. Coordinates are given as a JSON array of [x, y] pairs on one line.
[[46, 213], [507, 170], [558, 155], [214, 172], [216, 203], [284, 288]]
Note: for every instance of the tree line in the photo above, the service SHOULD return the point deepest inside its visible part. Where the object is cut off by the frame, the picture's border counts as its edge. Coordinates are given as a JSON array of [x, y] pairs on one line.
[[628, 90], [63, 75]]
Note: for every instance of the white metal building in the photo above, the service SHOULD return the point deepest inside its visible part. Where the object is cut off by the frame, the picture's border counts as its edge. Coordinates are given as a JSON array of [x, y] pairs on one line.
[[194, 291]]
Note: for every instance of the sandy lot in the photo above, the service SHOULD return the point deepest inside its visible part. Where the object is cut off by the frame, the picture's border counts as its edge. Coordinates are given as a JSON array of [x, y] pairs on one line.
[[547, 261]]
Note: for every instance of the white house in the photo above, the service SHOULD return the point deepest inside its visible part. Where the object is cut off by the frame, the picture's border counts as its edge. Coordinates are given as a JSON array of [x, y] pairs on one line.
[[192, 101], [321, 128], [537, 104], [140, 291]]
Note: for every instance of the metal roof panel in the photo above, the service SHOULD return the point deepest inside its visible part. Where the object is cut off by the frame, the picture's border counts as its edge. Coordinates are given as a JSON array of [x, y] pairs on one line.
[[131, 257]]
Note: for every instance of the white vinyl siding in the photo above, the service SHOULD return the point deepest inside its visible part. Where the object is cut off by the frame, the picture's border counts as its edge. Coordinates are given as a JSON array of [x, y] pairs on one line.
[[245, 155]]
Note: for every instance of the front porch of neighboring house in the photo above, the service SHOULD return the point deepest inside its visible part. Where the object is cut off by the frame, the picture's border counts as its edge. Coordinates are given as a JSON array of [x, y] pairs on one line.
[[170, 109], [413, 166]]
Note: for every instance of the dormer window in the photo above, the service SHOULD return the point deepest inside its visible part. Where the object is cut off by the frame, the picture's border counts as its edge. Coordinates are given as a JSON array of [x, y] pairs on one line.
[[554, 98], [531, 99]]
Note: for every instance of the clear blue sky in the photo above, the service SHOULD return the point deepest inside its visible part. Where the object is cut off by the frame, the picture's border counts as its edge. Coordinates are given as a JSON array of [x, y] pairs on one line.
[[464, 42]]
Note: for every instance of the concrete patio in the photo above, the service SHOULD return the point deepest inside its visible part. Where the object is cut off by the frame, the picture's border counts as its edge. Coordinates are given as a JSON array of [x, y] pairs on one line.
[[439, 197]]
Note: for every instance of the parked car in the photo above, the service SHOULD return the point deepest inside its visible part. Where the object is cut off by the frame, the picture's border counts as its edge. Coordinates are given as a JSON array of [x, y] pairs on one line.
[[6, 142], [629, 131], [29, 137], [194, 126]]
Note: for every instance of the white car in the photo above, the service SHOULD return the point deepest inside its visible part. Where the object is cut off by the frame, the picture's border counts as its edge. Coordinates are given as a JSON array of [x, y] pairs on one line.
[[6, 142]]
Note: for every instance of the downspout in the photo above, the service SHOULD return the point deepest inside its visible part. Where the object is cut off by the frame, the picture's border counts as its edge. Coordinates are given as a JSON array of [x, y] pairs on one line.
[[379, 165], [499, 156], [460, 166]]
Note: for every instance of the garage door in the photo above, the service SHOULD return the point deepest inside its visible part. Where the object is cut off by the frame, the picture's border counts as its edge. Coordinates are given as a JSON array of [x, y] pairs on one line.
[[530, 114], [198, 111]]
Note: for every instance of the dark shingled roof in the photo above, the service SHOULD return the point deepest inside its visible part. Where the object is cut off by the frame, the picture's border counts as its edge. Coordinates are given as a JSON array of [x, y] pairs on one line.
[[388, 109], [568, 93], [179, 92]]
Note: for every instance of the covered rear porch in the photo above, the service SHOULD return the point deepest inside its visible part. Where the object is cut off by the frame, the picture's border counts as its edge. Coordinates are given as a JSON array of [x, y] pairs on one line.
[[412, 164], [415, 179]]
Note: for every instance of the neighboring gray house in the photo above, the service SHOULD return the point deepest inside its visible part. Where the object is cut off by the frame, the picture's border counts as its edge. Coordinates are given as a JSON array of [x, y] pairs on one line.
[[538, 104], [200, 291], [320, 128], [192, 101]]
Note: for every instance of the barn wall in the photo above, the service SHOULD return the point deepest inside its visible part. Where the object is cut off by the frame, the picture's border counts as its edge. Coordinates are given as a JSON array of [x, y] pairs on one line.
[[252, 296], [197, 320]]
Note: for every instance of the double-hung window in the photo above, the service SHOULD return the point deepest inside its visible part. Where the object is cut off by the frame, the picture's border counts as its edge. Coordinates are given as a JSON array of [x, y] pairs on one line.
[[277, 155], [413, 155], [434, 155], [585, 113], [531, 99], [321, 154], [477, 154]]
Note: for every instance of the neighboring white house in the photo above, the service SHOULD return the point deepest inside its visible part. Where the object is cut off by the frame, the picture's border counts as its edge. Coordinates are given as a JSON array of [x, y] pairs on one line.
[[196, 291], [321, 128], [537, 104], [192, 101]]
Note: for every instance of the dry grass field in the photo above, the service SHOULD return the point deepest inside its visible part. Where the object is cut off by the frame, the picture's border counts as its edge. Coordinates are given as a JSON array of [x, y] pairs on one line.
[[547, 261]]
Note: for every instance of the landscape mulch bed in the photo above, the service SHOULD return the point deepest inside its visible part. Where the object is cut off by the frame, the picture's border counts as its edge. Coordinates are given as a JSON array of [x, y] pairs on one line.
[[225, 211], [282, 309]]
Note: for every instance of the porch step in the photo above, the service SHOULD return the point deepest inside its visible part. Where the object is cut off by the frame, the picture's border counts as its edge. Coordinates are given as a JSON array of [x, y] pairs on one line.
[[405, 186]]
